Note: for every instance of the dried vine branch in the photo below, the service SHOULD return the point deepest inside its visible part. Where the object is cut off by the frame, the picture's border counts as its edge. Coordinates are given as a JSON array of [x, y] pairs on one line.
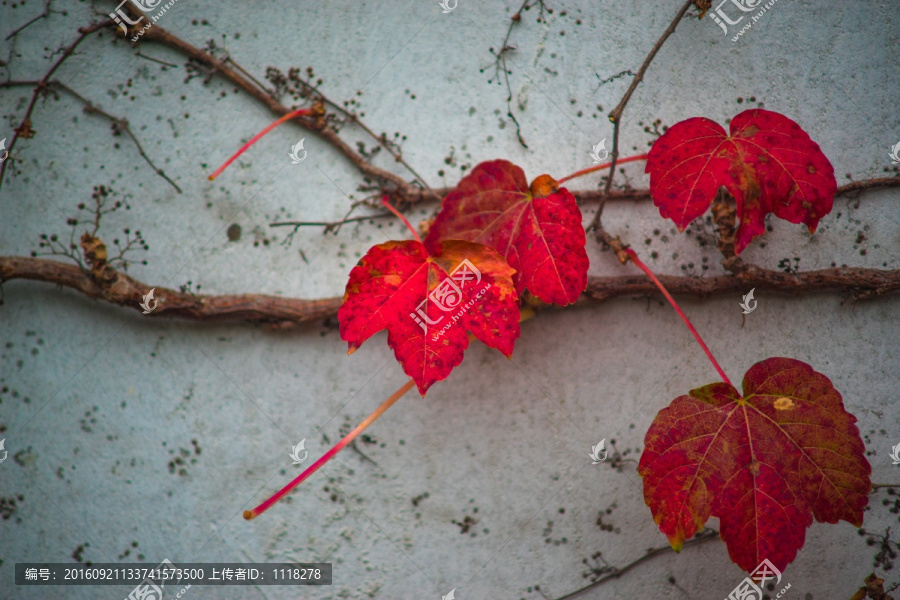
[[115, 287], [585, 196], [396, 185], [310, 89], [401, 191], [862, 282]]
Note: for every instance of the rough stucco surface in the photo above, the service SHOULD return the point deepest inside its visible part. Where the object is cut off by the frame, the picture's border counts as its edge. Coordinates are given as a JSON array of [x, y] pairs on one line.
[[97, 400]]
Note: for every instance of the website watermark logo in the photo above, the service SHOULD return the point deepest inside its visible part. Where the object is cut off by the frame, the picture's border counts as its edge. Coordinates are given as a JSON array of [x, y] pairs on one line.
[[748, 588], [596, 450], [448, 297], [148, 588], [6, 452], [295, 452], [745, 302], [296, 159], [448, 6], [723, 19], [121, 17], [4, 153], [148, 298], [895, 153], [595, 152], [895, 454]]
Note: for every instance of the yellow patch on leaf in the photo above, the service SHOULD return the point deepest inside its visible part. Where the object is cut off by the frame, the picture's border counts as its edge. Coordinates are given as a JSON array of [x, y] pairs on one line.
[[784, 403]]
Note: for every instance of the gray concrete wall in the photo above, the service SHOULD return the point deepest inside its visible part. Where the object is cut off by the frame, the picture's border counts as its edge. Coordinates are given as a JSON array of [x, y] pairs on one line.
[[98, 402]]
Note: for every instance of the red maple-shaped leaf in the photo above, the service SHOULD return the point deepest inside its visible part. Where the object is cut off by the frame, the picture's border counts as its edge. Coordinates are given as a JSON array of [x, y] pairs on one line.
[[428, 303], [542, 238], [765, 464], [768, 163]]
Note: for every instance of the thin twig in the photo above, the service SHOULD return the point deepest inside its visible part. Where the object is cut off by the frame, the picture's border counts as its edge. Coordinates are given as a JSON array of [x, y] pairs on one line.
[[119, 124], [156, 60], [43, 15], [328, 225], [24, 129], [615, 118], [250, 77], [611, 78], [879, 486], [704, 536], [868, 184], [500, 62]]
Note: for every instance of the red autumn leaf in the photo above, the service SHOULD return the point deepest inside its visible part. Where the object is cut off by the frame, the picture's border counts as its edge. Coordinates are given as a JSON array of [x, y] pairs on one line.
[[765, 464], [768, 163], [428, 303], [542, 238]]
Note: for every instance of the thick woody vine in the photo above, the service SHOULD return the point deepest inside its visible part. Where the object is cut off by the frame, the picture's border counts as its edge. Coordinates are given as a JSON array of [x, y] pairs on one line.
[[98, 276], [284, 312]]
